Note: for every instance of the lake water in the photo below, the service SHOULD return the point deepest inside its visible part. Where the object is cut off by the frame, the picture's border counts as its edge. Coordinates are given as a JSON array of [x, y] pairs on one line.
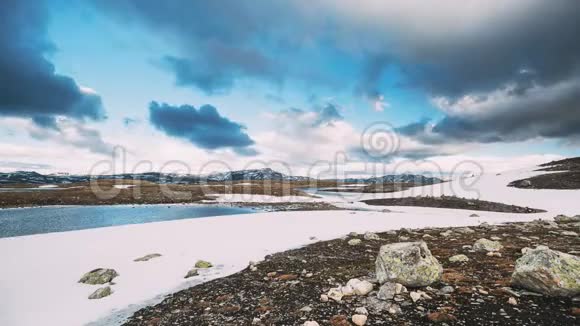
[[27, 221]]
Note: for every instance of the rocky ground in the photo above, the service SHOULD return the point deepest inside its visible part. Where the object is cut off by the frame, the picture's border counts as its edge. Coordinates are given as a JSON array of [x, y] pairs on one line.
[[142, 192], [284, 206], [452, 202], [564, 174], [296, 287]]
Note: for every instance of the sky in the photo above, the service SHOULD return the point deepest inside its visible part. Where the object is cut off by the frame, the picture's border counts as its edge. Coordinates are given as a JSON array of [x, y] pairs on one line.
[[305, 87]]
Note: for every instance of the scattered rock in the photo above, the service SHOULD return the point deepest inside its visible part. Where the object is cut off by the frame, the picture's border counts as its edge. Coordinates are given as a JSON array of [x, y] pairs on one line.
[[473, 215], [310, 323], [569, 233], [447, 290], [354, 242], [567, 219], [147, 257], [447, 233], [393, 308], [371, 236], [192, 272], [306, 309], [548, 272], [360, 287], [485, 245], [524, 184], [464, 230], [203, 264], [101, 293], [459, 258], [513, 301], [408, 263], [361, 311], [359, 320], [335, 294], [99, 276], [387, 291], [323, 298]]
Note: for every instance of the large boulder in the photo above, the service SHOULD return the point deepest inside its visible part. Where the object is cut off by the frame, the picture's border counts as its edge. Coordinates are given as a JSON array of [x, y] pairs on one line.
[[549, 272], [99, 276], [408, 263]]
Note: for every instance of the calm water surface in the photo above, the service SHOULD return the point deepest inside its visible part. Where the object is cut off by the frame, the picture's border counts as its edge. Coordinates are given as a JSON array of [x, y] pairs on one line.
[[26, 221]]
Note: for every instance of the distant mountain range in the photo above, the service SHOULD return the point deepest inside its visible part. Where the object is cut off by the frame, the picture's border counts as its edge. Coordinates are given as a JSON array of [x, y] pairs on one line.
[[30, 177]]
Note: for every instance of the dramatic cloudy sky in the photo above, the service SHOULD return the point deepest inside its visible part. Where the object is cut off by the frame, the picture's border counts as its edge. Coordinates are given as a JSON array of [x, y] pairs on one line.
[[201, 85]]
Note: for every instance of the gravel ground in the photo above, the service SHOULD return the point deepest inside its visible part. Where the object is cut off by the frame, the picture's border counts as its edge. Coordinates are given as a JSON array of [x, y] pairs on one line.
[[285, 288]]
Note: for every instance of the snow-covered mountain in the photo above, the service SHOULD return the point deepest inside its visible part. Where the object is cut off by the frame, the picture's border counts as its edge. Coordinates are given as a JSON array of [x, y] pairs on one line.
[[396, 178], [29, 177], [257, 174]]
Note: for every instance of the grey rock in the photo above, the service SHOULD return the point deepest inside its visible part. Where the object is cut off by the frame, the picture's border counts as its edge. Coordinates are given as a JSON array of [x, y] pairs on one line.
[[387, 291], [192, 272], [485, 245], [99, 276], [101, 293], [548, 272], [567, 219], [147, 257], [371, 236], [459, 258], [408, 263]]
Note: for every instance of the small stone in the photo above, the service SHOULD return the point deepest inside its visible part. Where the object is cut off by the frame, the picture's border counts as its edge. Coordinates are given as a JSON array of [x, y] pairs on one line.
[[387, 291], [415, 296], [473, 215], [354, 242], [306, 309], [271, 274], [147, 257], [459, 258], [393, 309], [203, 264], [361, 311], [359, 320], [513, 301], [335, 294], [192, 272], [310, 323], [323, 298], [485, 245], [99, 276], [371, 236], [447, 290], [101, 293], [569, 233]]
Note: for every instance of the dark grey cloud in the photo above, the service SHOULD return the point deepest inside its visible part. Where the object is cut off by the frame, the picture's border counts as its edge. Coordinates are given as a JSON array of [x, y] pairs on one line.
[[548, 113], [203, 127], [29, 85], [219, 41]]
